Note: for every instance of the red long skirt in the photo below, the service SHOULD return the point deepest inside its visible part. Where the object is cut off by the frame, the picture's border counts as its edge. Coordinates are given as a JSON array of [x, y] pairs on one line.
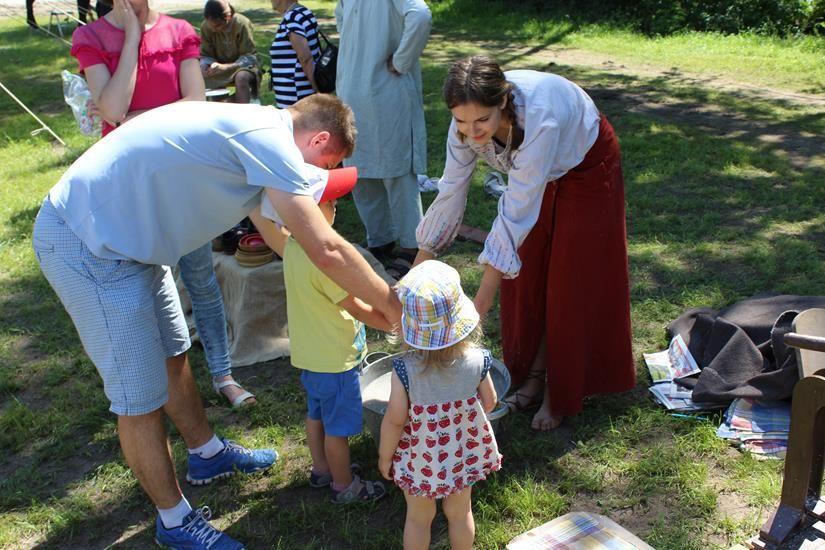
[[573, 285]]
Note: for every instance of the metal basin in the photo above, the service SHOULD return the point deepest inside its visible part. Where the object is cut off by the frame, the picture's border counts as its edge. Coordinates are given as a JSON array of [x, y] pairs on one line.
[[375, 403]]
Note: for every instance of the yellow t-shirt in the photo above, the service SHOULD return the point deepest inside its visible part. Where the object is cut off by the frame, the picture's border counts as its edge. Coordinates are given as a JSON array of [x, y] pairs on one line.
[[323, 337]]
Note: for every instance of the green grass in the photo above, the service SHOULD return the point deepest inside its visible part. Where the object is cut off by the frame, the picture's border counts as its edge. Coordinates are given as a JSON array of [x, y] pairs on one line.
[[724, 199], [795, 64]]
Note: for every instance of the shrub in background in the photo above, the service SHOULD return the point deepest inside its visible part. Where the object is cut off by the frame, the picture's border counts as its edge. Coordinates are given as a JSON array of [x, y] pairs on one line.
[[663, 17]]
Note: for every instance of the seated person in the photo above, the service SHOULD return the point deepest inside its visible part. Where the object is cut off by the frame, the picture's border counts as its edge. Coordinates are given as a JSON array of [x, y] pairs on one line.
[[228, 51]]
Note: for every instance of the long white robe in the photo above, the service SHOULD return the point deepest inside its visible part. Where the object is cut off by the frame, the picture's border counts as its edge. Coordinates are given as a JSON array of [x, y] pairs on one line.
[[389, 108]]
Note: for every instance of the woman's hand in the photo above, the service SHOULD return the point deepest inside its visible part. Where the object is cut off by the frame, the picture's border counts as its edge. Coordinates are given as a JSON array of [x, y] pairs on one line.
[[92, 110], [128, 19], [486, 294]]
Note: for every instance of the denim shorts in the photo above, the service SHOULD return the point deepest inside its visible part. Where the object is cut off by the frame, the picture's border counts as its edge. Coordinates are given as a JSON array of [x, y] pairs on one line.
[[334, 398], [128, 314]]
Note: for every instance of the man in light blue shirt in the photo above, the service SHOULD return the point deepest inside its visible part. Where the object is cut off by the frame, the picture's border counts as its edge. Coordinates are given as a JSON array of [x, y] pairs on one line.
[[159, 187]]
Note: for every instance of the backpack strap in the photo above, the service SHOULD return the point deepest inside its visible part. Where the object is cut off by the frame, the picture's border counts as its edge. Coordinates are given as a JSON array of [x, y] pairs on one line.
[[400, 369]]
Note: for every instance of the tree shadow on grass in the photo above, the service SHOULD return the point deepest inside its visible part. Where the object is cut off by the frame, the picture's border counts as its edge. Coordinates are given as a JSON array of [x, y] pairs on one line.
[[65, 434]]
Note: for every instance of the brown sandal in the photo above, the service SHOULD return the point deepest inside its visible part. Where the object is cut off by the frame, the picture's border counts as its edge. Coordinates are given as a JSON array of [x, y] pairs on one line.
[[517, 405]]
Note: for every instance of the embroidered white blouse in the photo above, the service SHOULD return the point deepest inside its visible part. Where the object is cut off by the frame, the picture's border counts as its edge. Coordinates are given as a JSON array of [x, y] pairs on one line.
[[560, 125]]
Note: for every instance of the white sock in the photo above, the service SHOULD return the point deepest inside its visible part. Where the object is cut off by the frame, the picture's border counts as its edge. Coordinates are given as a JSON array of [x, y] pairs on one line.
[[208, 449], [173, 517]]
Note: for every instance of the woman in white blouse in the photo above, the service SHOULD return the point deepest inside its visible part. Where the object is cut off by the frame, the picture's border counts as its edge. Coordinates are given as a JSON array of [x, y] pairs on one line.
[[558, 246]]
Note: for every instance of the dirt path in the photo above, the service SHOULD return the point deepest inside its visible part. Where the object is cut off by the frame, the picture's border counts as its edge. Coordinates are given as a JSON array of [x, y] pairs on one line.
[[583, 58], [675, 96]]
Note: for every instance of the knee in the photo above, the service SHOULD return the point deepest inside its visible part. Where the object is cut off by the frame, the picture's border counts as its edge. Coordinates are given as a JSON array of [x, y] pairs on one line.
[[421, 515], [202, 287], [243, 79], [199, 279], [455, 511]]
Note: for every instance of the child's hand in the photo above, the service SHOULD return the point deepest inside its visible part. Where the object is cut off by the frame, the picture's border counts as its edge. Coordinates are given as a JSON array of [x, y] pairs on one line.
[[385, 467]]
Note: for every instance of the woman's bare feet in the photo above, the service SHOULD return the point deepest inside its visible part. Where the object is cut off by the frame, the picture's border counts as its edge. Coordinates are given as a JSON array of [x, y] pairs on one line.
[[233, 391], [544, 420]]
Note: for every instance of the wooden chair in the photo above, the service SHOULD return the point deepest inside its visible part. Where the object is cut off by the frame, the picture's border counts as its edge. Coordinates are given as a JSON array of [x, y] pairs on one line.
[[802, 484]]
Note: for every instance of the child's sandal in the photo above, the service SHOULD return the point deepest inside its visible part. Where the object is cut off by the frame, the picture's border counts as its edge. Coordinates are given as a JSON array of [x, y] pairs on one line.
[[370, 492], [317, 481]]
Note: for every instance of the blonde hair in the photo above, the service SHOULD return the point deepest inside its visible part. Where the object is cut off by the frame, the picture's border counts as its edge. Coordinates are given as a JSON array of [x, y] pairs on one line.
[[446, 357], [325, 112]]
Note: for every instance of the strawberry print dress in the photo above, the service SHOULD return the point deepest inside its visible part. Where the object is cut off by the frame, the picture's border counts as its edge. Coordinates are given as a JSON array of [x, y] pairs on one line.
[[447, 443]]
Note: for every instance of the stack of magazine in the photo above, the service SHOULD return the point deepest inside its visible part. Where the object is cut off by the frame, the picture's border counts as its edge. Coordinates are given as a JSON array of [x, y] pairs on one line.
[[664, 367]]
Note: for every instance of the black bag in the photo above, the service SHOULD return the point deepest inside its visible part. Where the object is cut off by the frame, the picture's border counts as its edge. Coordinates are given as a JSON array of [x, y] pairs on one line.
[[325, 67]]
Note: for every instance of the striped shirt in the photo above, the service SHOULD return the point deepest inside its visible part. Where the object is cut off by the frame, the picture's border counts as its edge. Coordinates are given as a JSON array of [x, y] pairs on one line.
[[288, 79]]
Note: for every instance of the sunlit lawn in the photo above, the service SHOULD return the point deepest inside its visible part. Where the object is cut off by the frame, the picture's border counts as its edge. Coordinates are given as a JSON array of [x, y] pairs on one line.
[[723, 202]]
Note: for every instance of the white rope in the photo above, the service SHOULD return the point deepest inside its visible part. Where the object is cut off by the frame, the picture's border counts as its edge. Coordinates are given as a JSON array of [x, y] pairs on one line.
[[42, 124]]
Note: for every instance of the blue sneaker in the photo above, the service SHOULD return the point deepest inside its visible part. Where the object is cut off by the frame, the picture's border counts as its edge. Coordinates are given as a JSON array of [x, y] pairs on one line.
[[233, 458], [195, 533]]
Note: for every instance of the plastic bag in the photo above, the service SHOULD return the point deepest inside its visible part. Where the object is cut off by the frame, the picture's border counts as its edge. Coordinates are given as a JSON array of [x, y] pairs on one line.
[[78, 97]]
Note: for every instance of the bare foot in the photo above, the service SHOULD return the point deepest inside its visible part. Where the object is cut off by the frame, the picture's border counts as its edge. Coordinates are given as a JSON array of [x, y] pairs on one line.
[[544, 420], [232, 392]]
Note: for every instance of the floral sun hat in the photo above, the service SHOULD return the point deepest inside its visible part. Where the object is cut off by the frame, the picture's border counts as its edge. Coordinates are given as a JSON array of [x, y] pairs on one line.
[[435, 311]]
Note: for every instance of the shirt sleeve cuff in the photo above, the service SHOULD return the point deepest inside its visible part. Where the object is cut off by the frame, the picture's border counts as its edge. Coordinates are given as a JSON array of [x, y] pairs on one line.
[[502, 258]]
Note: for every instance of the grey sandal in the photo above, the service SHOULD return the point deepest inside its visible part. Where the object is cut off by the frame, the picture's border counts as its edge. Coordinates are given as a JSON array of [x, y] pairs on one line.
[[370, 492], [316, 481]]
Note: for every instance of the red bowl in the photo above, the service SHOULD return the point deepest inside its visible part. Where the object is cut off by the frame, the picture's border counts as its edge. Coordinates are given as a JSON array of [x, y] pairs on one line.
[[253, 240]]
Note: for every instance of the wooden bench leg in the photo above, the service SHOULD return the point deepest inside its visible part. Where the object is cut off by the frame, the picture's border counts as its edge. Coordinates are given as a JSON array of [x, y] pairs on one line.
[[803, 461]]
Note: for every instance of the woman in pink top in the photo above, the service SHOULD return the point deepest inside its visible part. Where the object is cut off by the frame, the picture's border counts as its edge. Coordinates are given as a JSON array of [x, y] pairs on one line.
[[136, 59]]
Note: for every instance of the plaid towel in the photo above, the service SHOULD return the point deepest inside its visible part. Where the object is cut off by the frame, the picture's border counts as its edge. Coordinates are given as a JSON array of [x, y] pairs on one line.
[[766, 449], [573, 531], [760, 416], [759, 427]]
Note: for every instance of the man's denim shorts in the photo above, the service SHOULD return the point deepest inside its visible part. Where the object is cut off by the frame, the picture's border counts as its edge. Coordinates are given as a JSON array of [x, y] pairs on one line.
[[128, 314], [334, 398]]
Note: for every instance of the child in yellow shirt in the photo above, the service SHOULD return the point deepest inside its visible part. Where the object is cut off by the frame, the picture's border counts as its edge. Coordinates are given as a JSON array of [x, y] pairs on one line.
[[328, 343]]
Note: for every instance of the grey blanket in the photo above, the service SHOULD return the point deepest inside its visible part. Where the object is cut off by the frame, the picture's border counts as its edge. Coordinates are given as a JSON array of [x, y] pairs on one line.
[[740, 348]]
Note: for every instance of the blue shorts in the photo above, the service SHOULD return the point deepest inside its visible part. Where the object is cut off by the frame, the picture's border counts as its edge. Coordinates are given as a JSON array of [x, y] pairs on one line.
[[334, 398], [128, 314]]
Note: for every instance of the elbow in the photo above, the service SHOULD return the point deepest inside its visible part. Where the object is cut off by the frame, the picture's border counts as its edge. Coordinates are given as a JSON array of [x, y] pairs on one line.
[[325, 256], [424, 21], [490, 404], [489, 407], [113, 116], [389, 422]]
